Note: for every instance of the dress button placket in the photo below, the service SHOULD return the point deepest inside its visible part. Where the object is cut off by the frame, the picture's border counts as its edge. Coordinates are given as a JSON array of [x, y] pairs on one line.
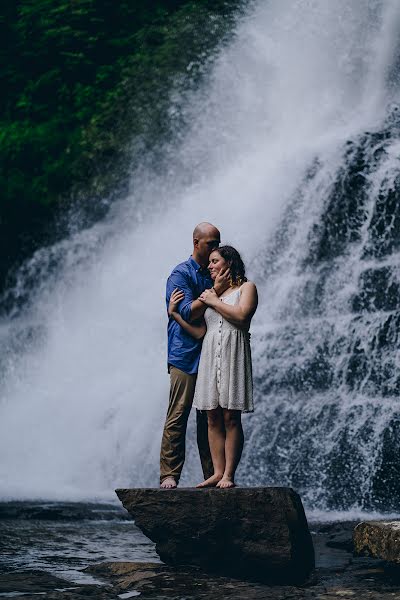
[[219, 356]]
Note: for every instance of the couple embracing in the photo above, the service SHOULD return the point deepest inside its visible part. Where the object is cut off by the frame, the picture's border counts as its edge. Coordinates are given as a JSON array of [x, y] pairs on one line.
[[210, 306]]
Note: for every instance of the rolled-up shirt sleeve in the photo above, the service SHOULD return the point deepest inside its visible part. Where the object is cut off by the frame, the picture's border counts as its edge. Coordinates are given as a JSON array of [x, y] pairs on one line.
[[179, 280]]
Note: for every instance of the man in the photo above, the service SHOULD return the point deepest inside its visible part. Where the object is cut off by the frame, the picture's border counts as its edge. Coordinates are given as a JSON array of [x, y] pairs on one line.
[[192, 278]]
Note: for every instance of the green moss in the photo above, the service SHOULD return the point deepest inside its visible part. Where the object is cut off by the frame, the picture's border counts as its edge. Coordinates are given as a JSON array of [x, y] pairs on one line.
[[83, 79]]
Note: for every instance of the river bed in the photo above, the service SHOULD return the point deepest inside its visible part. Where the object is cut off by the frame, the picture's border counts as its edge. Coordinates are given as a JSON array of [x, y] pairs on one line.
[[79, 550]]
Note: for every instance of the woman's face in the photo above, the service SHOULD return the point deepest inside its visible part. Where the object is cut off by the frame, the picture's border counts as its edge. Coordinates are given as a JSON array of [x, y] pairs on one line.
[[216, 264]]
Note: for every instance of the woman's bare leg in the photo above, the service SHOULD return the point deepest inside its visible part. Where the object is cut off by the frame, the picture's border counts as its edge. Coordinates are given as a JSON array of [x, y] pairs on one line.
[[234, 441], [216, 439]]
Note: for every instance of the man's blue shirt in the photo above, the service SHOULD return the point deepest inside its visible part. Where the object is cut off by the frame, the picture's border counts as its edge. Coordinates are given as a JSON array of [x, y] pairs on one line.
[[183, 349]]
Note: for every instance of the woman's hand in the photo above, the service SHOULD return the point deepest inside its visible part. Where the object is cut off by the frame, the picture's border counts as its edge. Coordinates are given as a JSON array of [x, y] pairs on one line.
[[222, 281], [176, 297], [209, 297]]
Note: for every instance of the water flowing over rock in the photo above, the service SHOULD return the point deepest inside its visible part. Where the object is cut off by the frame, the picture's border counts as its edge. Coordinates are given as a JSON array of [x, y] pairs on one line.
[[328, 362], [250, 532]]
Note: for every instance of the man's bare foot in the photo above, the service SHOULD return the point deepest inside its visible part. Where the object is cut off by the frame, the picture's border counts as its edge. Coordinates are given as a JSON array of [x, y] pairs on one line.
[[210, 482], [168, 483], [225, 482]]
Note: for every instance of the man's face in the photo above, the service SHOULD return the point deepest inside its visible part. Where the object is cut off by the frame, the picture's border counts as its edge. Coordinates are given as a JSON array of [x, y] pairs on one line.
[[206, 244]]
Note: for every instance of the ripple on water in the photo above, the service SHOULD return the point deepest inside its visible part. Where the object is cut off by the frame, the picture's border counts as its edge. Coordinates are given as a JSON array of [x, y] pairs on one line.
[[63, 539]]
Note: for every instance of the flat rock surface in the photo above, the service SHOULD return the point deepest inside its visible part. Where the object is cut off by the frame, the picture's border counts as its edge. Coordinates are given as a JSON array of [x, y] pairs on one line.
[[255, 532], [380, 539]]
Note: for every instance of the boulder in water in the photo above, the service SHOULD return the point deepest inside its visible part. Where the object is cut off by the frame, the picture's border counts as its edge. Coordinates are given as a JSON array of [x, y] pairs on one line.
[[259, 533], [379, 539]]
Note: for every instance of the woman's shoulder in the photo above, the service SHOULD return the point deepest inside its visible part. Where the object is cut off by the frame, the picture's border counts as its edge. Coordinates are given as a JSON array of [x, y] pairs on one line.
[[248, 285]]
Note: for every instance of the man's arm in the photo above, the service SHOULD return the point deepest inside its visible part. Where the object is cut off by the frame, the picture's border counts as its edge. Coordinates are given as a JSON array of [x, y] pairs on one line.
[[192, 309], [180, 280], [196, 331]]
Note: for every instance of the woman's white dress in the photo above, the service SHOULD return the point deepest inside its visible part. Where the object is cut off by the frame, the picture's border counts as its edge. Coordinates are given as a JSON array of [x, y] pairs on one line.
[[225, 372]]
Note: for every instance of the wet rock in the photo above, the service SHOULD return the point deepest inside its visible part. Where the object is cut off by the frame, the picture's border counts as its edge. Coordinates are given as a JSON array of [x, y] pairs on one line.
[[379, 289], [156, 581], [29, 581], [258, 533], [380, 539], [384, 226], [339, 535], [127, 574], [337, 575], [59, 511]]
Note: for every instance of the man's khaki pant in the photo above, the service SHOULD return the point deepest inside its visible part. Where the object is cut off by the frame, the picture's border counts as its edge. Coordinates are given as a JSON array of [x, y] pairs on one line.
[[173, 442]]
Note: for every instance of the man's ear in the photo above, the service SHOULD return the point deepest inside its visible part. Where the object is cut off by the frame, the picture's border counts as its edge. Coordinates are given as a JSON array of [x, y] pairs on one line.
[[195, 242]]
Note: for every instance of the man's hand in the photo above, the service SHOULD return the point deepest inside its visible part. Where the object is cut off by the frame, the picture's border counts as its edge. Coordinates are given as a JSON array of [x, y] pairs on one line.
[[222, 281], [209, 297]]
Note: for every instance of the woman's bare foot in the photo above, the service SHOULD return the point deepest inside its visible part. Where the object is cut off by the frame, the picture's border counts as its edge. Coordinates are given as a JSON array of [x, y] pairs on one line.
[[210, 482], [168, 483], [225, 482]]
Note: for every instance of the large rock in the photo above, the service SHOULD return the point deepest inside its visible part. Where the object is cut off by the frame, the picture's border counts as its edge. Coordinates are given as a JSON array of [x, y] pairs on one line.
[[251, 532], [380, 539]]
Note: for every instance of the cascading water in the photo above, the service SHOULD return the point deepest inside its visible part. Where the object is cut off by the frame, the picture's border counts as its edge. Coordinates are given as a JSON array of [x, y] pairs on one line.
[[328, 361], [291, 149]]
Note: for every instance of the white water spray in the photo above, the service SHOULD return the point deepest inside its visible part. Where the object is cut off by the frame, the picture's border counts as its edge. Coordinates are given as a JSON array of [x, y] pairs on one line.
[[85, 387]]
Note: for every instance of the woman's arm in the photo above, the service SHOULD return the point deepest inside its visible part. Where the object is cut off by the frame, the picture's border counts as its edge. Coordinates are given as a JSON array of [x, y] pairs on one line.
[[239, 315], [221, 284], [196, 331]]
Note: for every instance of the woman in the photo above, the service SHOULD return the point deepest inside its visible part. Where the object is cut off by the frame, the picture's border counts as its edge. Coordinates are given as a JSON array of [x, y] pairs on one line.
[[224, 385]]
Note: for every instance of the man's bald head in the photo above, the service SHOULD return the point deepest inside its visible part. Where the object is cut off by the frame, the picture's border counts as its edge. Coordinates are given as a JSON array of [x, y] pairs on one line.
[[205, 229], [206, 238]]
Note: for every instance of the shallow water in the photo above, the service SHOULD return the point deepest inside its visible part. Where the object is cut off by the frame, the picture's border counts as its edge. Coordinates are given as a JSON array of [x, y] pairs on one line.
[[45, 548], [64, 538]]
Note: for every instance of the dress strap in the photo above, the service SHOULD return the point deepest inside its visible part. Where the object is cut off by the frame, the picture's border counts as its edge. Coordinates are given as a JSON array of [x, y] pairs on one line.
[[222, 298]]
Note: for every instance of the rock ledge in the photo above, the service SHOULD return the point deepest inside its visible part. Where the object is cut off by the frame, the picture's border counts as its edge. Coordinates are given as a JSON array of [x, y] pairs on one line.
[[259, 533]]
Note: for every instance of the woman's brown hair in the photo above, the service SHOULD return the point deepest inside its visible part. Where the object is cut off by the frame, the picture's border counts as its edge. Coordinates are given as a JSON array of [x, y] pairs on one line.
[[236, 264]]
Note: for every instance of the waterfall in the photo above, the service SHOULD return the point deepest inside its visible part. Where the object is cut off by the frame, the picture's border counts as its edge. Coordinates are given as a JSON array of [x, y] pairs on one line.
[[327, 360], [291, 148]]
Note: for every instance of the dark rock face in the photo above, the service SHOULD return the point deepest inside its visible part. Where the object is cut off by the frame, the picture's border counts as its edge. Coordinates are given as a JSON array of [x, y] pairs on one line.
[[380, 539], [260, 533]]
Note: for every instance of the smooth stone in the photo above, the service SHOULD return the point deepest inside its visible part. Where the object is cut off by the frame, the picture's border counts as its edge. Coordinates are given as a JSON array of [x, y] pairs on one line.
[[380, 539], [258, 533]]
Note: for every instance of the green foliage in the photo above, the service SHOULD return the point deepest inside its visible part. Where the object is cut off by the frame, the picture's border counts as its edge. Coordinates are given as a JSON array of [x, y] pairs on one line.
[[83, 77]]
